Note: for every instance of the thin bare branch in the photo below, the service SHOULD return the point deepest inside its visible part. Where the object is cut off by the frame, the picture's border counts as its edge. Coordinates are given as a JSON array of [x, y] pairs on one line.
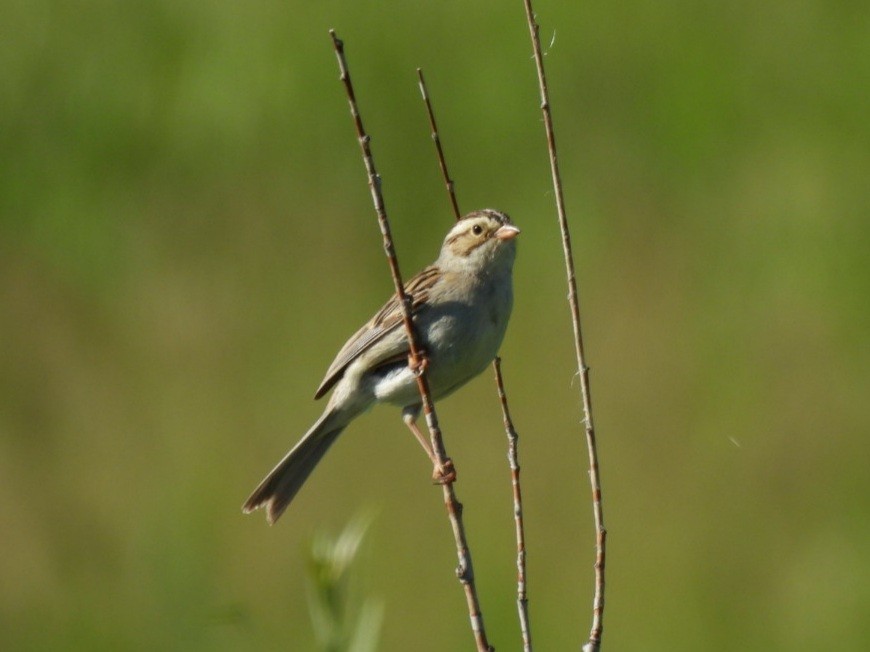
[[442, 162], [513, 460], [594, 642], [522, 600], [464, 571]]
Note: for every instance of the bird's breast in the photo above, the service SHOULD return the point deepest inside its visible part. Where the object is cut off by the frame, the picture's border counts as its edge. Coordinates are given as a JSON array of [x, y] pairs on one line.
[[463, 337]]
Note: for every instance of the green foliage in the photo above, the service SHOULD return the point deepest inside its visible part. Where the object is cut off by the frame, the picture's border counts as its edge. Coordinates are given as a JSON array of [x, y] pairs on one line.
[[186, 237], [330, 563]]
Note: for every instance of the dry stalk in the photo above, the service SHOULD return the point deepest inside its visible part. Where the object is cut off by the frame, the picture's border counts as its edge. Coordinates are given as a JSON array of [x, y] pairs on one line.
[[513, 459], [594, 642], [464, 570], [442, 162]]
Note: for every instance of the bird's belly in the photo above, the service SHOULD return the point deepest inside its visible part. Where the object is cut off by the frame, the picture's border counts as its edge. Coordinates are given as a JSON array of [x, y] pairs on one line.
[[460, 348], [456, 348], [459, 342], [451, 364]]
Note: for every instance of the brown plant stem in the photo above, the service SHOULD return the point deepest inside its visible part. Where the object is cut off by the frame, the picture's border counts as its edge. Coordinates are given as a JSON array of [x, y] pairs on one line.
[[513, 459], [594, 642], [442, 162], [464, 570]]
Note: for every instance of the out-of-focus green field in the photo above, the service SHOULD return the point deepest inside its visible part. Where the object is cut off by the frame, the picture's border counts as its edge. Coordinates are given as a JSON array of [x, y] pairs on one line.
[[186, 238]]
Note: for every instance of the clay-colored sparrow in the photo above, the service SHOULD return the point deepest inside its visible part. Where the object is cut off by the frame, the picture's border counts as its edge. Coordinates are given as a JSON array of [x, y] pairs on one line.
[[461, 306]]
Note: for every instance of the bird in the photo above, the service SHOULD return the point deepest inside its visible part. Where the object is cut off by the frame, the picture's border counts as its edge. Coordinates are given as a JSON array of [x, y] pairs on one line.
[[460, 306]]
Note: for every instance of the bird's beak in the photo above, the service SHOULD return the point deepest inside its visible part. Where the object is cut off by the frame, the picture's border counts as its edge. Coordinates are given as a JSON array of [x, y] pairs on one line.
[[507, 232]]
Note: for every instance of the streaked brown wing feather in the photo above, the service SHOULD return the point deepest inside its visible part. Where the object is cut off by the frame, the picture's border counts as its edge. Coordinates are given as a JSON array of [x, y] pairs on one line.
[[387, 319]]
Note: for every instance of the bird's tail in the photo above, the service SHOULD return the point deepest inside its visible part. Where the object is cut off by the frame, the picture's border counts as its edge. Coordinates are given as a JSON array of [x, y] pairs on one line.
[[277, 489]]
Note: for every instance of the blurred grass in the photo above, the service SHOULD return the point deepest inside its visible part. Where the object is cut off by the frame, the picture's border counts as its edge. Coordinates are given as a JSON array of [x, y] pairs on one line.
[[343, 621], [186, 237]]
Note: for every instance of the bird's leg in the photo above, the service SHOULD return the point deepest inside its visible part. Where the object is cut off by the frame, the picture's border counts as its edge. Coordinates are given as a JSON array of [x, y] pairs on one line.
[[442, 473]]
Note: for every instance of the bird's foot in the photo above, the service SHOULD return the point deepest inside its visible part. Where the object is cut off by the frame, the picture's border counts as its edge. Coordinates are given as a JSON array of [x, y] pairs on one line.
[[444, 473], [420, 364]]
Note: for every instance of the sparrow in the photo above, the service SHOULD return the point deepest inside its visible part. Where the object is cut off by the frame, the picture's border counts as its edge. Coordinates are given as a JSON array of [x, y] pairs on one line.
[[460, 306]]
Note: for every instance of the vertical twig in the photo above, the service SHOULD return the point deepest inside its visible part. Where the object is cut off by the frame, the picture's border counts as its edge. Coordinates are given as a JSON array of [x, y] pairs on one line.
[[464, 571], [513, 459], [594, 642], [442, 162]]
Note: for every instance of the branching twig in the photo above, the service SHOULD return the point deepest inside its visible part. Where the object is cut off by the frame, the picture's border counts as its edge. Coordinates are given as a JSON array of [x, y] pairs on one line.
[[464, 571], [594, 642], [513, 459], [522, 600]]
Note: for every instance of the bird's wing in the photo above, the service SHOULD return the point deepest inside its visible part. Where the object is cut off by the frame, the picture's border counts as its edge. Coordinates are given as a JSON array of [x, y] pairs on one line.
[[384, 322]]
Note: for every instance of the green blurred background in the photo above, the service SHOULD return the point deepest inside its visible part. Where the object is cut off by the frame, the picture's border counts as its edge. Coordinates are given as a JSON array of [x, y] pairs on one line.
[[187, 238]]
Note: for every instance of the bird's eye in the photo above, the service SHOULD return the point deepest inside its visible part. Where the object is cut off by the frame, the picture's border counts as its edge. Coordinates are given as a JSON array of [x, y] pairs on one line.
[[477, 229]]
